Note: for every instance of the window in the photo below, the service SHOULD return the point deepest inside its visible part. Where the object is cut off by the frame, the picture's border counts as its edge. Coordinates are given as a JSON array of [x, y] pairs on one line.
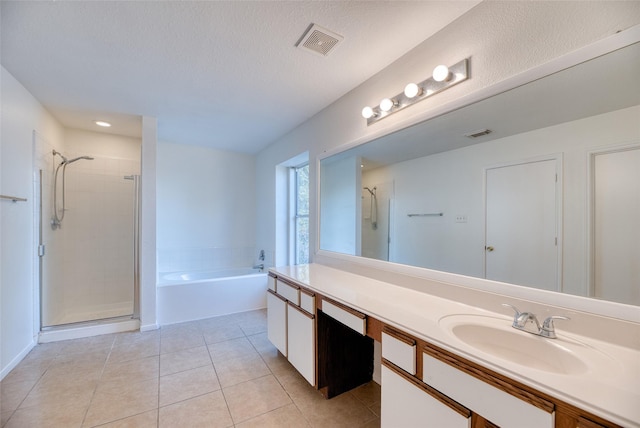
[[300, 218]]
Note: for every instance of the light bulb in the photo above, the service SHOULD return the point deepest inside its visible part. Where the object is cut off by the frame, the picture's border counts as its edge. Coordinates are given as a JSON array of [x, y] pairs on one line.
[[368, 112], [102, 123], [387, 104], [412, 90], [441, 73]]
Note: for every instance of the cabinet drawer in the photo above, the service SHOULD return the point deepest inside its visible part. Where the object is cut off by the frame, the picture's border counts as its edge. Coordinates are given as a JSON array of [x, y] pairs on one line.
[[289, 292], [271, 283], [496, 405], [308, 301], [347, 316], [400, 349]]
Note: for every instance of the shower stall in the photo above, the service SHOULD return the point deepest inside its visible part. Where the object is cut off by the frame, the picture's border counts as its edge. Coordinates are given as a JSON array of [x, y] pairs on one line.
[[87, 234], [376, 223]]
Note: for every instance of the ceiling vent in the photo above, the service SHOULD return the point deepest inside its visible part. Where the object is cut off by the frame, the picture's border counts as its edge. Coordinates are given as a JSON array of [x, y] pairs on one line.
[[478, 133], [319, 40]]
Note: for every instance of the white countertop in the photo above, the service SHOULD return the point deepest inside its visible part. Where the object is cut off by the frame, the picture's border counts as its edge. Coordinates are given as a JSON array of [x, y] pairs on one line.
[[610, 390]]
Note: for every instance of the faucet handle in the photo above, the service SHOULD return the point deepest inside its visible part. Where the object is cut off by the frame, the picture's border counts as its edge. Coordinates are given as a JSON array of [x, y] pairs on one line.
[[516, 311], [548, 328]]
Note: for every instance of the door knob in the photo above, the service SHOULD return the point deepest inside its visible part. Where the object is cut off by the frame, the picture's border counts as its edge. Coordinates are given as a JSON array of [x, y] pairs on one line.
[[489, 248]]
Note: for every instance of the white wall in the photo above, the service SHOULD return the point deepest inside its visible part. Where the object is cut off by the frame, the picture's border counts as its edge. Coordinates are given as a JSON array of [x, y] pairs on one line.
[[21, 114], [459, 174], [503, 39], [206, 208]]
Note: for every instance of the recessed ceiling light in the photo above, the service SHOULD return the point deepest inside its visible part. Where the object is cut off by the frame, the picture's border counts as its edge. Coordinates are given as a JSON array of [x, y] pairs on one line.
[[102, 123]]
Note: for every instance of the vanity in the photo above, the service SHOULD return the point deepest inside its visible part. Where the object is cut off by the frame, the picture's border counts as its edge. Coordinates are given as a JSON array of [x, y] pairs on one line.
[[445, 363]]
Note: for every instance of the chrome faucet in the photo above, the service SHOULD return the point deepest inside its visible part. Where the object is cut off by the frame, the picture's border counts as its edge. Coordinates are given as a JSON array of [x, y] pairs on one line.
[[527, 321]]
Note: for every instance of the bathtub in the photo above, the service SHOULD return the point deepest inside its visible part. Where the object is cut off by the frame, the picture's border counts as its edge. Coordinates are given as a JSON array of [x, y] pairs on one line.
[[189, 296]]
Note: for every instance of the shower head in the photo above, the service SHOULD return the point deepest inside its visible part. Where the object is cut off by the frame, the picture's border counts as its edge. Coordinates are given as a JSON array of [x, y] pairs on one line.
[[77, 159], [373, 192], [64, 159]]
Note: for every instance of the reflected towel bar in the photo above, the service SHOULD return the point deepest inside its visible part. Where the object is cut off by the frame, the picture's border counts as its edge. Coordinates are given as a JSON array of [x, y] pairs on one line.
[[13, 198], [426, 215]]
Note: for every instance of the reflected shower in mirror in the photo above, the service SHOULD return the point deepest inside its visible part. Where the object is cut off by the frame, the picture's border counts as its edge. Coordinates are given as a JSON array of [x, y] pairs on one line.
[[537, 186]]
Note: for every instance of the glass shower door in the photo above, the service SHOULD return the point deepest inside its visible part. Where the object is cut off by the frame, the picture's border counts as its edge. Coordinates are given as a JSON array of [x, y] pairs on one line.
[[89, 266]]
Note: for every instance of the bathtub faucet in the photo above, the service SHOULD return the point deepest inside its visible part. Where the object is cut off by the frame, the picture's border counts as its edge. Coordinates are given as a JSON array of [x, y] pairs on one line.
[[260, 266]]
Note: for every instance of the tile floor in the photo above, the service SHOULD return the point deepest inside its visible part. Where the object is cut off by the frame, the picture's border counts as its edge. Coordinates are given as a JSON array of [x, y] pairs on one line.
[[218, 372]]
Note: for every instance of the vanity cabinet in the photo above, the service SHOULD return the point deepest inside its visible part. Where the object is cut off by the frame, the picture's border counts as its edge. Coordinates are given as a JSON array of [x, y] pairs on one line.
[[331, 345]]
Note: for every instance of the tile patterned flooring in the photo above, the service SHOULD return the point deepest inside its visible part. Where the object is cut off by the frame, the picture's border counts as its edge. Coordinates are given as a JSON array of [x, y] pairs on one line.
[[218, 372]]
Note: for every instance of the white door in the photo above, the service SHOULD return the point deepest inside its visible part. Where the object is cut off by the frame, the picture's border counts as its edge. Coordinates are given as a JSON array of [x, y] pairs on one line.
[[521, 224], [301, 342], [616, 232]]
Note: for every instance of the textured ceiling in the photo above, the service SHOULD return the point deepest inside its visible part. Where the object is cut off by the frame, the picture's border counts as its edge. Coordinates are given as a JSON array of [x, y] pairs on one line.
[[223, 74]]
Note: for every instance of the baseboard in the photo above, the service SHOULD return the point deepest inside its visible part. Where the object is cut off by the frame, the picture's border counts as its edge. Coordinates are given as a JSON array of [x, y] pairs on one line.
[[149, 327], [14, 362]]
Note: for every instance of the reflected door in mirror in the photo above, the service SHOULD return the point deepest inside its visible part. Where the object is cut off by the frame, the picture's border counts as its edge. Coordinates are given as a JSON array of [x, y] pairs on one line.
[[521, 245], [617, 235]]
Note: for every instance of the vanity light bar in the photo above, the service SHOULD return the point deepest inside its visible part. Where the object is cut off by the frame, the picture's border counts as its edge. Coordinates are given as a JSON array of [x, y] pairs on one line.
[[438, 82]]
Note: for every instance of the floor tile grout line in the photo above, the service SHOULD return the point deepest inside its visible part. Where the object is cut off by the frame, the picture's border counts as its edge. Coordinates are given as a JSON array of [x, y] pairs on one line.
[[119, 419], [95, 389], [280, 383], [34, 384], [224, 397], [159, 376], [247, 381]]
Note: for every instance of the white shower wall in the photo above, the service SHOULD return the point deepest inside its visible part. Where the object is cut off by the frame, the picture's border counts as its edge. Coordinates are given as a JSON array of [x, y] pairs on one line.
[[88, 270]]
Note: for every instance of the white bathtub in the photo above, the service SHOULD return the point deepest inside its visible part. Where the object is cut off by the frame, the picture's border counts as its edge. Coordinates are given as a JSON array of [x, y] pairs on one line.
[[188, 296]]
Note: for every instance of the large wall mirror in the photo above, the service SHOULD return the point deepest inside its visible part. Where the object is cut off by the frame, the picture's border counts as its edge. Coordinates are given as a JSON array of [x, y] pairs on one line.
[[537, 186]]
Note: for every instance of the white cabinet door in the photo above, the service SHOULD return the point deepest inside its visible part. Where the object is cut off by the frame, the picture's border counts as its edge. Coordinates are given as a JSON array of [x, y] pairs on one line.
[[301, 342], [406, 405], [498, 406], [277, 322]]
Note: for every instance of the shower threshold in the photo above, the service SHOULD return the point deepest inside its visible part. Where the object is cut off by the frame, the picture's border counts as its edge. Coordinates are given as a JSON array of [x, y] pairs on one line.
[[88, 328]]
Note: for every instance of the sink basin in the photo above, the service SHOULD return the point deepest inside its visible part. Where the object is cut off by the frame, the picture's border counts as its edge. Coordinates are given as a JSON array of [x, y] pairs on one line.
[[496, 337]]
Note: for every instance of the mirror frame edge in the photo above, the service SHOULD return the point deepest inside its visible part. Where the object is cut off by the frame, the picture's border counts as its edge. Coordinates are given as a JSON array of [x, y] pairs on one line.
[[590, 305]]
